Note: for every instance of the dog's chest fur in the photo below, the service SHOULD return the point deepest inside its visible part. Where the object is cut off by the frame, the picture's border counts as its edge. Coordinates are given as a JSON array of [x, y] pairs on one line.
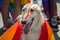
[[35, 29]]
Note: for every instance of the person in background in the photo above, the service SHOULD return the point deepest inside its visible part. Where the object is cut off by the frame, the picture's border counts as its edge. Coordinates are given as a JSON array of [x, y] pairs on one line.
[[50, 9], [53, 13], [5, 12]]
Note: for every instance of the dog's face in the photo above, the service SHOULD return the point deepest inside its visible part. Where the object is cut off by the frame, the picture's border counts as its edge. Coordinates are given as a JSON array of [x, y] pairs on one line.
[[29, 12]]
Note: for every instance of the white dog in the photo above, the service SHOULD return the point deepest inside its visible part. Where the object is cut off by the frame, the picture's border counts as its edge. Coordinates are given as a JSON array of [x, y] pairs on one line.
[[36, 25]]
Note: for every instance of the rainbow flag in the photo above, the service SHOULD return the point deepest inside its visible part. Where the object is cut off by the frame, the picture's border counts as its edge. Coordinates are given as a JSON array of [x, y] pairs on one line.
[[13, 33], [46, 32]]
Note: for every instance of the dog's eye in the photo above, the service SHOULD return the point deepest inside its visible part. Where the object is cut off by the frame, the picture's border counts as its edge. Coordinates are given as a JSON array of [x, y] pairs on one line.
[[31, 10], [23, 9]]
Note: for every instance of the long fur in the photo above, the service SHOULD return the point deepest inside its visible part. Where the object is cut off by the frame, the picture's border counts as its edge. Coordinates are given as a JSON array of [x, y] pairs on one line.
[[37, 23]]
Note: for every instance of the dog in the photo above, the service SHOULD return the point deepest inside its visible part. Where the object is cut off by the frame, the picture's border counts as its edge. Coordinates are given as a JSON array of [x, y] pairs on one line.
[[35, 19]]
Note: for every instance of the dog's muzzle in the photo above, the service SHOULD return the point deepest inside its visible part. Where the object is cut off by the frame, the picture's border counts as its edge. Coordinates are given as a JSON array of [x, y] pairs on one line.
[[23, 22]]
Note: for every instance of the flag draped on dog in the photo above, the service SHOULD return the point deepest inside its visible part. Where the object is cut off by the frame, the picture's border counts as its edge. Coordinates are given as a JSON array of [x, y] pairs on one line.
[[46, 33], [39, 28], [13, 33]]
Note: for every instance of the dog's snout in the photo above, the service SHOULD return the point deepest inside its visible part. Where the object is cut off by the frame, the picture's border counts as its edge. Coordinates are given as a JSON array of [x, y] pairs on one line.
[[23, 22]]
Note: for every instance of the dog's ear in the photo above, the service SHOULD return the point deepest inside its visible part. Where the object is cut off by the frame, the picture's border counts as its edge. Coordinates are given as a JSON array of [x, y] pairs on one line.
[[35, 7]]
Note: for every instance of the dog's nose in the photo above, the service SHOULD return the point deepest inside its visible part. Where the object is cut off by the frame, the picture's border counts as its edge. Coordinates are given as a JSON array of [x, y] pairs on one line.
[[23, 22]]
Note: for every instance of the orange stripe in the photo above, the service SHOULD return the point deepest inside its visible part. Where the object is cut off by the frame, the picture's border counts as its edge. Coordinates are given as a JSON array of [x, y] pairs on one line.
[[50, 32], [9, 34], [46, 32], [18, 32]]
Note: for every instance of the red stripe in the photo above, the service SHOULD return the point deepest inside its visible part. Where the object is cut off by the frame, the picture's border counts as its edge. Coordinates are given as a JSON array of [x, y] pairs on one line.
[[44, 33], [18, 32]]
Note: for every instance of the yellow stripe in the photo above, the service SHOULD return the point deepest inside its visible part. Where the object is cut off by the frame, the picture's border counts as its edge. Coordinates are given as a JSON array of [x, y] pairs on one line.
[[52, 38]]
